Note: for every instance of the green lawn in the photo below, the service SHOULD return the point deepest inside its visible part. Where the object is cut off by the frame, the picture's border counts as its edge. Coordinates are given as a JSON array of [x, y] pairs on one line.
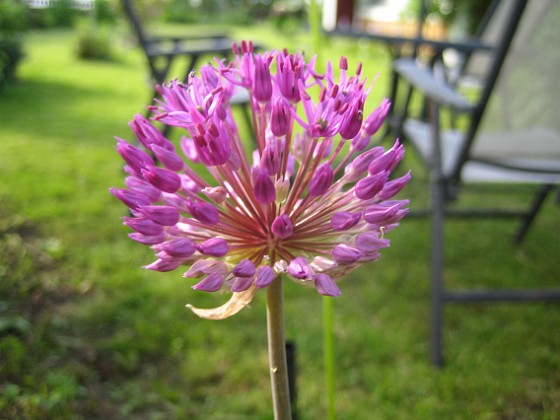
[[86, 333]]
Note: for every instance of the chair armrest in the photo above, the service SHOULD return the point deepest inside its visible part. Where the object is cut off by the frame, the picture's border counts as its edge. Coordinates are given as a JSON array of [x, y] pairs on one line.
[[423, 80], [466, 46]]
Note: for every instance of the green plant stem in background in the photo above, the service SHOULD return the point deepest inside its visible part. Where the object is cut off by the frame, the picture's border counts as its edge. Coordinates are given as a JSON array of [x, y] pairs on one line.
[[328, 354], [315, 25], [277, 350]]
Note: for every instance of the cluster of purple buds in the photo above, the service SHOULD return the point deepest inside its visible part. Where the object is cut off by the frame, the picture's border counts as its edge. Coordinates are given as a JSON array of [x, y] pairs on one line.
[[312, 201]]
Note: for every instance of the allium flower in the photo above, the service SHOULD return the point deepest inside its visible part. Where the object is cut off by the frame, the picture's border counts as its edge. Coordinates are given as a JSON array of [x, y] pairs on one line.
[[308, 203]]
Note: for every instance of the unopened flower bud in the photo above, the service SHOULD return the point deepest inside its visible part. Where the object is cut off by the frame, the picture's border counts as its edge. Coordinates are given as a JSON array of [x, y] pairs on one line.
[[345, 220], [370, 241], [241, 284], [163, 215], [321, 180], [263, 188], [346, 254], [280, 117], [179, 248], [205, 213], [163, 265], [245, 268], [282, 227], [265, 275], [326, 286], [300, 269], [215, 247], [143, 225], [162, 178], [168, 158], [211, 283], [369, 186], [132, 199]]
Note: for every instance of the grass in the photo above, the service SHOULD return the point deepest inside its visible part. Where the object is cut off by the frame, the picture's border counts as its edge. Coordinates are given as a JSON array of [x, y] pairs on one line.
[[86, 333]]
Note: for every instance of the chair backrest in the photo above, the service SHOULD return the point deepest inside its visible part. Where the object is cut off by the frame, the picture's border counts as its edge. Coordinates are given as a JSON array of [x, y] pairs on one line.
[[514, 11], [132, 15]]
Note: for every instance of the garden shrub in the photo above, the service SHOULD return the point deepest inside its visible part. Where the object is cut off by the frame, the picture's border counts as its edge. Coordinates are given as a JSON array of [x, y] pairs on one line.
[[12, 26]]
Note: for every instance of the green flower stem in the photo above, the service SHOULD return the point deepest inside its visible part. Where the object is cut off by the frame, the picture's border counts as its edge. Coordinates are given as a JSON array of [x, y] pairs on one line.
[[277, 350], [328, 354]]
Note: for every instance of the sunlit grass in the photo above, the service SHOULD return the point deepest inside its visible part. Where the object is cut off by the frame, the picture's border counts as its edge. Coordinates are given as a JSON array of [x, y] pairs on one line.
[[105, 338]]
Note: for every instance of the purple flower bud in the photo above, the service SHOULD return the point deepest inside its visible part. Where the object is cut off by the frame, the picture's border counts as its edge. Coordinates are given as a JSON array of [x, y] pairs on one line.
[[280, 117], [143, 225], [263, 187], [163, 265], [394, 186], [201, 267], [163, 215], [270, 160], [370, 241], [211, 283], [204, 212], [352, 121], [374, 120], [213, 148], [147, 239], [361, 163], [282, 226], [265, 276], [147, 134], [189, 149], [215, 247], [143, 187], [321, 180], [387, 161], [245, 268], [262, 83], [346, 254], [241, 284], [162, 178], [134, 157], [300, 269], [369, 186], [179, 247], [218, 194], [132, 199], [345, 220], [168, 158], [326, 286], [384, 214]]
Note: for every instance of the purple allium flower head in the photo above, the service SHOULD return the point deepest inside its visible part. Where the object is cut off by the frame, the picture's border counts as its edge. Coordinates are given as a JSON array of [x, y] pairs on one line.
[[313, 201]]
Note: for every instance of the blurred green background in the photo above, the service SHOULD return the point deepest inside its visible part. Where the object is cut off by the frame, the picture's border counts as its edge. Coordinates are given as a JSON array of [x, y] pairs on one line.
[[85, 332]]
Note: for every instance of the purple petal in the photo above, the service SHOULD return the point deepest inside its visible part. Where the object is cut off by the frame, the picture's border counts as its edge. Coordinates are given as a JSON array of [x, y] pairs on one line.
[[321, 180], [282, 227], [345, 220], [326, 286], [241, 284], [211, 283], [346, 254], [215, 247], [366, 188], [245, 268], [300, 269], [265, 276], [163, 215]]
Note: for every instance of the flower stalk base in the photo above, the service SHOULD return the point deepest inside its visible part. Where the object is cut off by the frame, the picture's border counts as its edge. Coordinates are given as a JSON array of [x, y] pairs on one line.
[[277, 350]]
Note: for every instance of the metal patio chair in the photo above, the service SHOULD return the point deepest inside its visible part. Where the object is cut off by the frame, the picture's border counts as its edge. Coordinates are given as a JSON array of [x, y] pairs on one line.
[[161, 52], [511, 136]]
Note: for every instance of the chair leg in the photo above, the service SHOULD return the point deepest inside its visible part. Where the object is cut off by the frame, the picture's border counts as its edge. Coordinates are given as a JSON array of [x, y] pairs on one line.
[[437, 208], [538, 201]]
